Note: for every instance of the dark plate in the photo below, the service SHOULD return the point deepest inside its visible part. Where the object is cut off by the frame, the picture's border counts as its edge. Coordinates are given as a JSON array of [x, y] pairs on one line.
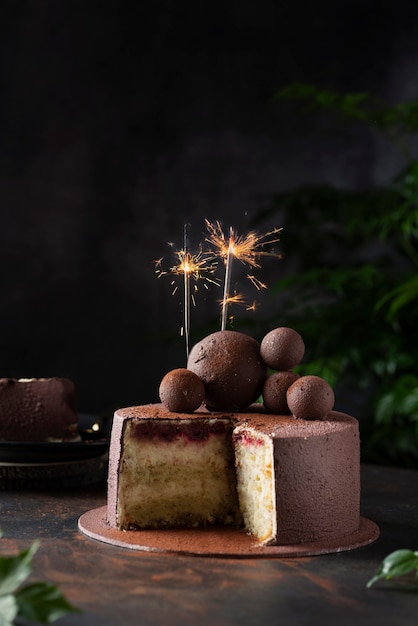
[[94, 442], [45, 452]]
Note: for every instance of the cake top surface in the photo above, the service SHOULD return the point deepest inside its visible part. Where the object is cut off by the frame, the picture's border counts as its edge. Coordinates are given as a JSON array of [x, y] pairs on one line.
[[37, 381], [255, 417]]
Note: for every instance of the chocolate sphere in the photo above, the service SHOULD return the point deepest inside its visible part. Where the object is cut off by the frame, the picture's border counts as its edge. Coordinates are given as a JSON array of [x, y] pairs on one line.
[[230, 365], [182, 391], [310, 398], [282, 348], [274, 392]]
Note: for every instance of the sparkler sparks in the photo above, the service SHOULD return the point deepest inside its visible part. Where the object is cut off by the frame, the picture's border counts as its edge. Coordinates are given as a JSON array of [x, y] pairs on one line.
[[197, 267], [201, 267], [246, 248]]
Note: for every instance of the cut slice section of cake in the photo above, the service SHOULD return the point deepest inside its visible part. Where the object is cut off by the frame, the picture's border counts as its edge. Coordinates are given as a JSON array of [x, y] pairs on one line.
[[297, 480], [169, 471], [256, 482]]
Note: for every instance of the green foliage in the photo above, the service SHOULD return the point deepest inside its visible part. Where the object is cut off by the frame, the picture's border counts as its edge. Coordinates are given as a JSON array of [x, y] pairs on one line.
[[36, 602], [398, 563], [398, 122], [353, 293], [42, 602]]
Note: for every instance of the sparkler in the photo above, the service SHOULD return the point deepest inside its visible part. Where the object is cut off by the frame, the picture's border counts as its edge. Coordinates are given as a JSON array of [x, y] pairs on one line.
[[186, 272], [190, 266], [246, 248]]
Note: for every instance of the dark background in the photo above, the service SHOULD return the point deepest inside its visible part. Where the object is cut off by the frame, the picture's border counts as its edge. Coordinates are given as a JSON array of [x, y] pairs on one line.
[[119, 123]]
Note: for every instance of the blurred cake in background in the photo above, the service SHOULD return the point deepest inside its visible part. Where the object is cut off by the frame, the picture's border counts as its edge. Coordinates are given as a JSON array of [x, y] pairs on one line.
[[38, 409]]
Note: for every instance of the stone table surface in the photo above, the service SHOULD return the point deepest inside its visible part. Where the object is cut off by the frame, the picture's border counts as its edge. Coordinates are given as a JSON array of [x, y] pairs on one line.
[[117, 586]]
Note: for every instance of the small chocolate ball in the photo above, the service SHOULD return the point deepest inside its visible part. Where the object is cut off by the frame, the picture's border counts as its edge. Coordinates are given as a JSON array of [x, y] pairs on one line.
[[232, 370], [182, 391], [282, 348], [274, 392], [310, 398]]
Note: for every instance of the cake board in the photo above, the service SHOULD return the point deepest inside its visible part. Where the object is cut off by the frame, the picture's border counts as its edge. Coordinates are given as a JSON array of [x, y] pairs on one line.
[[215, 542]]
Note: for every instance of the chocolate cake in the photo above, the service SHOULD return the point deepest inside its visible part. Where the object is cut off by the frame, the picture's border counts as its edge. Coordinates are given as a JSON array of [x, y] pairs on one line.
[[38, 409], [285, 469], [284, 480]]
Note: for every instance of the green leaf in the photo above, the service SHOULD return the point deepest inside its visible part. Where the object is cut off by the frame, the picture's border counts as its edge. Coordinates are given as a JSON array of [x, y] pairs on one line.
[[15, 569], [399, 297], [8, 610], [398, 563], [43, 602], [37, 602]]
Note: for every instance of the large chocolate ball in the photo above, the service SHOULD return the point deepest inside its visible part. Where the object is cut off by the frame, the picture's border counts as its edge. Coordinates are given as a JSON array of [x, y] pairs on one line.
[[181, 391], [232, 370], [274, 392], [282, 348], [310, 398]]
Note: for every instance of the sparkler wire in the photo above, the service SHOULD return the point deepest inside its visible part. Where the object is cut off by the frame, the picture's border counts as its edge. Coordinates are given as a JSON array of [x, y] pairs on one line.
[[186, 288], [227, 281]]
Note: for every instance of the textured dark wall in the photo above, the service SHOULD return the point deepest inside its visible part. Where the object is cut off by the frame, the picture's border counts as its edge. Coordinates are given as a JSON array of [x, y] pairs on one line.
[[118, 124]]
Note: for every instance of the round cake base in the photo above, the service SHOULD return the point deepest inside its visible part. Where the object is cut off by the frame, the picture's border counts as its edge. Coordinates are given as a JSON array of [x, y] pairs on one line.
[[215, 542]]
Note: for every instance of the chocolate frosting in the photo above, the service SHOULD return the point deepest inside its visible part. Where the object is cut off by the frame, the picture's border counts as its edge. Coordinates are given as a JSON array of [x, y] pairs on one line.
[[182, 390], [274, 392], [310, 398], [38, 409], [282, 348], [231, 368]]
